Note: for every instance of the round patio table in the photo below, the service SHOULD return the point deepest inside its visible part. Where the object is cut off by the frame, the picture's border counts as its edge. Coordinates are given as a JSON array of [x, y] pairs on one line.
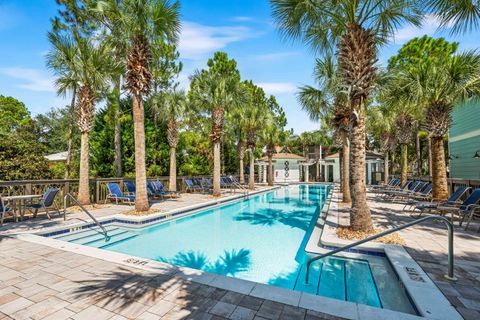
[[20, 203]]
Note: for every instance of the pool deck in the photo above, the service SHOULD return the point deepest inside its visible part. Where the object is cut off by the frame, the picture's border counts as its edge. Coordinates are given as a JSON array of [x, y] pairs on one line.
[[41, 282]]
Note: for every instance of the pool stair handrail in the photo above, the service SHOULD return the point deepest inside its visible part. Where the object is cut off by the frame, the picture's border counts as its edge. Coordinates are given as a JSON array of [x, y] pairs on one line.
[[69, 195], [449, 275]]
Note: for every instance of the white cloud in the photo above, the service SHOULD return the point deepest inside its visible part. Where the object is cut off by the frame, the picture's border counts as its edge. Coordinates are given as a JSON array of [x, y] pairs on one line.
[[275, 56], [430, 25], [32, 79], [278, 87], [197, 40], [242, 18]]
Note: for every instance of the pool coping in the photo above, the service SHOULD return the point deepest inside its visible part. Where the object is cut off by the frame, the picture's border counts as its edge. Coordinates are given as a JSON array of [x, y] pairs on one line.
[[326, 305], [423, 292]]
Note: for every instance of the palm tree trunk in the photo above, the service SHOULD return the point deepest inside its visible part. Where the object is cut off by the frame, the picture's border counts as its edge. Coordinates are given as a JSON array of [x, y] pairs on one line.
[[84, 179], [439, 169], [172, 185], [241, 172], [216, 169], [346, 167], [404, 150], [68, 161], [360, 219], [430, 164], [385, 168], [251, 178], [117, 134], [419, 154], [141, 195], [270, 169]]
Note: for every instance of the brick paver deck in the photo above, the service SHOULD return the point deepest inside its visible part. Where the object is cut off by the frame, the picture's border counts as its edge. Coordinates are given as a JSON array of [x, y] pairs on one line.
[[39, 282], [427, 244]]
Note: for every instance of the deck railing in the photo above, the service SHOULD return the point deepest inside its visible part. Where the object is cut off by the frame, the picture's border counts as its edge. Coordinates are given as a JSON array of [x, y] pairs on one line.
[[98, 186]]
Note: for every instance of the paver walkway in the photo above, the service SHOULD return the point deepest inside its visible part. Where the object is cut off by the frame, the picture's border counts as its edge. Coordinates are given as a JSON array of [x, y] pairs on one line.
[[39, 282], [427, 244]]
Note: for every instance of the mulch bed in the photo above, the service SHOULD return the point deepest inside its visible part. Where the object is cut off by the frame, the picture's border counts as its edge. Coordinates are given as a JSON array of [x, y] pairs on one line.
[[348, 234]]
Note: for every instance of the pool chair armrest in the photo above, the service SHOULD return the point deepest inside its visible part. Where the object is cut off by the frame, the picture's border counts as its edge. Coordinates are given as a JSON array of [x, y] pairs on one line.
[[472, 207]]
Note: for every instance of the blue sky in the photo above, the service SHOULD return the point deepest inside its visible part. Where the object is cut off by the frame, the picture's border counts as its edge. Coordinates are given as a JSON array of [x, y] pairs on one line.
[[242, 28]]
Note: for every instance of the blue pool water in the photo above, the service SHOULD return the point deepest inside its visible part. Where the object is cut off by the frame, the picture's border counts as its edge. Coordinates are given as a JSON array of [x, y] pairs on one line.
[[261, 239]]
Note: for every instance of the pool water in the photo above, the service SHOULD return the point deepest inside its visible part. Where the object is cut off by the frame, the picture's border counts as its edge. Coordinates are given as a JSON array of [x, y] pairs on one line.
[[260, 239]]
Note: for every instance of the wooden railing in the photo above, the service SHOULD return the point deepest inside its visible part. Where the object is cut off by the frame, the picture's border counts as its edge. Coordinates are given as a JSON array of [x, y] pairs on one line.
[[98, 186]]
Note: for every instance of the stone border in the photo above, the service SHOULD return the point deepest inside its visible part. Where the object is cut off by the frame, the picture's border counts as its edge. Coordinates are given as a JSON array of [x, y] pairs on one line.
[[425, 295]]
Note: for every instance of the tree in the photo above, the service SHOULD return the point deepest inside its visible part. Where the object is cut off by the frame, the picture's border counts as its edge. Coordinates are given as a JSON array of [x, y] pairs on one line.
[[356, 29], [330, 98], [215, 91], [272, 135], [437, 87], [144, 24], [170, 106], [13, 114]]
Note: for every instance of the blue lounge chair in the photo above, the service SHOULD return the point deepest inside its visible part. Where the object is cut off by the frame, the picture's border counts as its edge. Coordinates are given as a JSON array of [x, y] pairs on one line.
[[468, 208], [409, 185], [47, 201], [423, 195], [155, 193], [3, 210], [395, 188], [130, 185], [208, 183], [190, 185], [159, 186], [115, 193], [424, 206], [414, 189], [200, 185]]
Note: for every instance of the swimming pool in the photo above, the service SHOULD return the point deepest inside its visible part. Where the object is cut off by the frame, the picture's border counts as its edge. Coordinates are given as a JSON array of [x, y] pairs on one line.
[[260, 239]]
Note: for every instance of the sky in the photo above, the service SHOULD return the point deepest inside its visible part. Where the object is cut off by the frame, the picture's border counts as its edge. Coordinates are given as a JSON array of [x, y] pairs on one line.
[[242, 28]]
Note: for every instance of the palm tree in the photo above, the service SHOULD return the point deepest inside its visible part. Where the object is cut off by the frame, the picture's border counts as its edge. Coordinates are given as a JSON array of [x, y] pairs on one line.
[[93, 64], [61, 60], [143, 23], [355, 29], [170, 106], [272, 135], [330, 98], [237, 122], [438, 86], [215, 91]]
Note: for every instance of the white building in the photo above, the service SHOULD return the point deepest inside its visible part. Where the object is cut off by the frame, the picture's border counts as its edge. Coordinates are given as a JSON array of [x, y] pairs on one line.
[[374, 167], [286, 167]]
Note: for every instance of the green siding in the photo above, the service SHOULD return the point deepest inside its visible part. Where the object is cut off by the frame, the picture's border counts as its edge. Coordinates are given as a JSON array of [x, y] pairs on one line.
[[465, 120]]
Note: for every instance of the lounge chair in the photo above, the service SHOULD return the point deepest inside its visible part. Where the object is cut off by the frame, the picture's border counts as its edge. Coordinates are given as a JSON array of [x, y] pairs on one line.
[[424, 206], [468, 208], [47, 201], [423, 195], [3, 210], [200, 185], [190, 185], [115, 193], [394, 188], [208, 183], [414, 189], [391, 183], [159, 186], [131, 188], [155, 193], [407, 186]]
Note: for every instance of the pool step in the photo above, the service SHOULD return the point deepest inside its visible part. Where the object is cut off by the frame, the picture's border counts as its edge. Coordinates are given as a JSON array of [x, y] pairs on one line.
[[348, 280], [102, 243], [85, 233]]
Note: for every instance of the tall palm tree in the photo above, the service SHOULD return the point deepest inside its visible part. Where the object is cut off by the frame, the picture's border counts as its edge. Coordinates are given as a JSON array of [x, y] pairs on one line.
[[404, 125], [272, 135], [143, 23], [61, 60], [216, 91], [330, 98], [93, 63], [438, 87], [170, 106], [237, 121], [355, 29]]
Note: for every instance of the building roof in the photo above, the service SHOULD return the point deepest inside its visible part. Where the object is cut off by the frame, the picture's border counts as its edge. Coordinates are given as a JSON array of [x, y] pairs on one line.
[[370, 155], [285, 155], [60, 156]]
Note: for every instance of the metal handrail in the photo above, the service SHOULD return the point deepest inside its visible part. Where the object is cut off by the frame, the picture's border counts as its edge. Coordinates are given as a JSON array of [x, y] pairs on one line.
[[104, 231], [450, 274]]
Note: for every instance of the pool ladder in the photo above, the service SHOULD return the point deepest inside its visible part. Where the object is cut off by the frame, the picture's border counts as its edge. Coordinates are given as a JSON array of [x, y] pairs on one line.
[[69, 195], [449, 275]]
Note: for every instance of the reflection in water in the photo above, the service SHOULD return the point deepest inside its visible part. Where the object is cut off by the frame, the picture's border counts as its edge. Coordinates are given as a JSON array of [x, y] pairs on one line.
[[268, 217], [229, 264]]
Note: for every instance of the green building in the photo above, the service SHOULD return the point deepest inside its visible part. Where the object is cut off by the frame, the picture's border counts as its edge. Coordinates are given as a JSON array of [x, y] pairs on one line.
[[464, 142]]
